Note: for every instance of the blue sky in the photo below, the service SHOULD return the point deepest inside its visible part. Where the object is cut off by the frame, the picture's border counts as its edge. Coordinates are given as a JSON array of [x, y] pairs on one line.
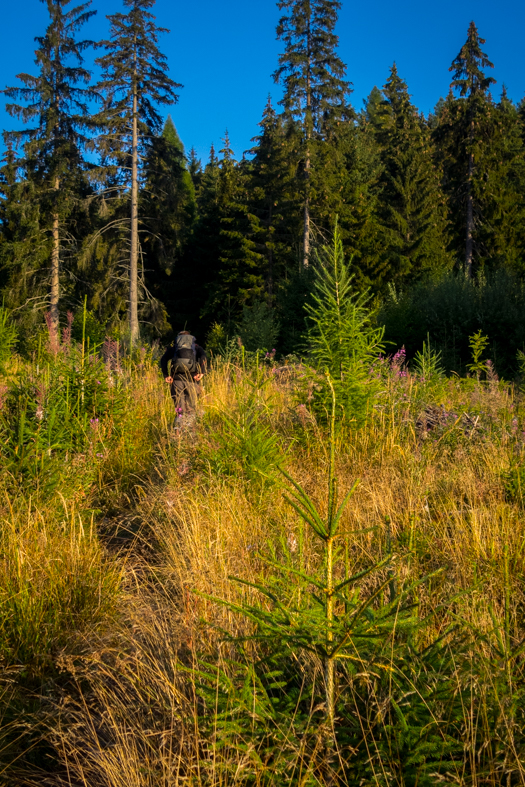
[[224, 52]]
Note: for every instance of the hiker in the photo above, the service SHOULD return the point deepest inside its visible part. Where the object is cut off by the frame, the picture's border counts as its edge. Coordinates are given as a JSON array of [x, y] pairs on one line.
[[187, 361]]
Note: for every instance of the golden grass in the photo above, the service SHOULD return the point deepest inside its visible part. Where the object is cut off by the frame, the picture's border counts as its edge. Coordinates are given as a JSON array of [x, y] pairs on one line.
[[127, 714]]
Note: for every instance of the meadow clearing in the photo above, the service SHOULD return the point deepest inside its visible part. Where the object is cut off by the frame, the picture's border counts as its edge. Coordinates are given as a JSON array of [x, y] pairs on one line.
[[133, 651]]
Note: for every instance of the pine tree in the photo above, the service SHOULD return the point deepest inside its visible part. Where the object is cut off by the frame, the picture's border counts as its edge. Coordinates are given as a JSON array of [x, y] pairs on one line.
[[225, 270], [272, 195], [168, 210], [411, 207], [471, 82], [195, 169], [134, 80], [199, 268], [372, 107], [358, 221], [24, 249], [500, 186], [240, 274], [168, 199], [314, 87], [52, 164]]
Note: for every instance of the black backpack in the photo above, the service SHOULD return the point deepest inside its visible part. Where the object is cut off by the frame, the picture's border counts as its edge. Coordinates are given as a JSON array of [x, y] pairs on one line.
[[184, 356]]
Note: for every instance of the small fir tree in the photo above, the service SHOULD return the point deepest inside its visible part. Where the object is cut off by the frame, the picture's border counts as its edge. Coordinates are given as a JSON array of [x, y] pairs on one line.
[[341, 338]]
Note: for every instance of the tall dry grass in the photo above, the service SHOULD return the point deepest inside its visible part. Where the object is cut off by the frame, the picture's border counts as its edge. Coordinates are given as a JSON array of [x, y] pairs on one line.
[[180, 511]]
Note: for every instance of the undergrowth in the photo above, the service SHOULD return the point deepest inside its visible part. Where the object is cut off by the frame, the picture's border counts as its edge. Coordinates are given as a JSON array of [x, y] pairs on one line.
[[186, 606]]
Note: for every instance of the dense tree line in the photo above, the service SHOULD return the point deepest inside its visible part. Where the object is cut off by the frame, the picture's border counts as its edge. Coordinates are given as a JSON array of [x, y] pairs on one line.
[[100, 201]]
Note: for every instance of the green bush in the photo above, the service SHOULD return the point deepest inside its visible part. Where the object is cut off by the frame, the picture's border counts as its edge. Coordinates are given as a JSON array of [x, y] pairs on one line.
[[244, 442], [450, 309], [60, 410], [514, 484], [86, 325], [258, 328], [8, 338]]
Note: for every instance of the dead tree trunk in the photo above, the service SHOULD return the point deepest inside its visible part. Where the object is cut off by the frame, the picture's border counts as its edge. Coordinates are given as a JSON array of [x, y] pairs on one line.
[[55, 266], [133, 264]]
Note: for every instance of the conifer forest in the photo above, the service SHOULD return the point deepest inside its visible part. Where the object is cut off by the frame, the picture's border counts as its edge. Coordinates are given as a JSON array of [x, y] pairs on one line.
[[312, 572]]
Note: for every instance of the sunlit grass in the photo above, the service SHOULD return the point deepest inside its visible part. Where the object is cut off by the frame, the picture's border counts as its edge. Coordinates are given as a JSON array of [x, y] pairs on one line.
[[101, 585]]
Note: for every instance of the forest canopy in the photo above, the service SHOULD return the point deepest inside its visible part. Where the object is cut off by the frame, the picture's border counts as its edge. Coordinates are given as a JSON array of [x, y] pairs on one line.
[[102, 203]]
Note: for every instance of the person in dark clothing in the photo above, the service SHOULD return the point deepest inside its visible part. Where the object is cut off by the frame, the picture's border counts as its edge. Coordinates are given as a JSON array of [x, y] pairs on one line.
[[183, 366]]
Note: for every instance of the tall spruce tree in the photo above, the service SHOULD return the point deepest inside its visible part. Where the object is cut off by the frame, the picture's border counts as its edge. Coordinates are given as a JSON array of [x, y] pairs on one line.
[[500, 187], [168, 199], [411, 206], [361, 232], [24, 246], [239, 276], [52, 165], [134, 80], [168, 210], [199, 272], [195, 170], [273, 198], [470, 80], [315, 90]]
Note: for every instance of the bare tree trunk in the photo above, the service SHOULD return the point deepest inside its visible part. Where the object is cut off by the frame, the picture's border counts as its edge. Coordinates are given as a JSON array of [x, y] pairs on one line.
[[133, 263], [306, 223], [55, 267]]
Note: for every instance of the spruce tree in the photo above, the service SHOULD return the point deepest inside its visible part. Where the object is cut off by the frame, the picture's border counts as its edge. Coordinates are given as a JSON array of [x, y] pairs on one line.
[[134, 80], [500, 186], [411, 205], [199, 271], [470, 80], [52, 165], [273, 197], [23, 251], [168, 210], [195, 169], [168, 199], [315, 90], [372, 107], [227, 270], [240, 275]]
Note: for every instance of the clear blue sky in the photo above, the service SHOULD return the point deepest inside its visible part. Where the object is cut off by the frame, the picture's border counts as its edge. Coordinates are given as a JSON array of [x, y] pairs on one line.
[[225, 52]]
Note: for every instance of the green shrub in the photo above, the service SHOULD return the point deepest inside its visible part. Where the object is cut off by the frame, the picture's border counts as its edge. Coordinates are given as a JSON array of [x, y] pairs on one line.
[[86, 325], [514, 484], [258, 328], [244, 442], [60, 410], [8, 338], [450, 309]]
